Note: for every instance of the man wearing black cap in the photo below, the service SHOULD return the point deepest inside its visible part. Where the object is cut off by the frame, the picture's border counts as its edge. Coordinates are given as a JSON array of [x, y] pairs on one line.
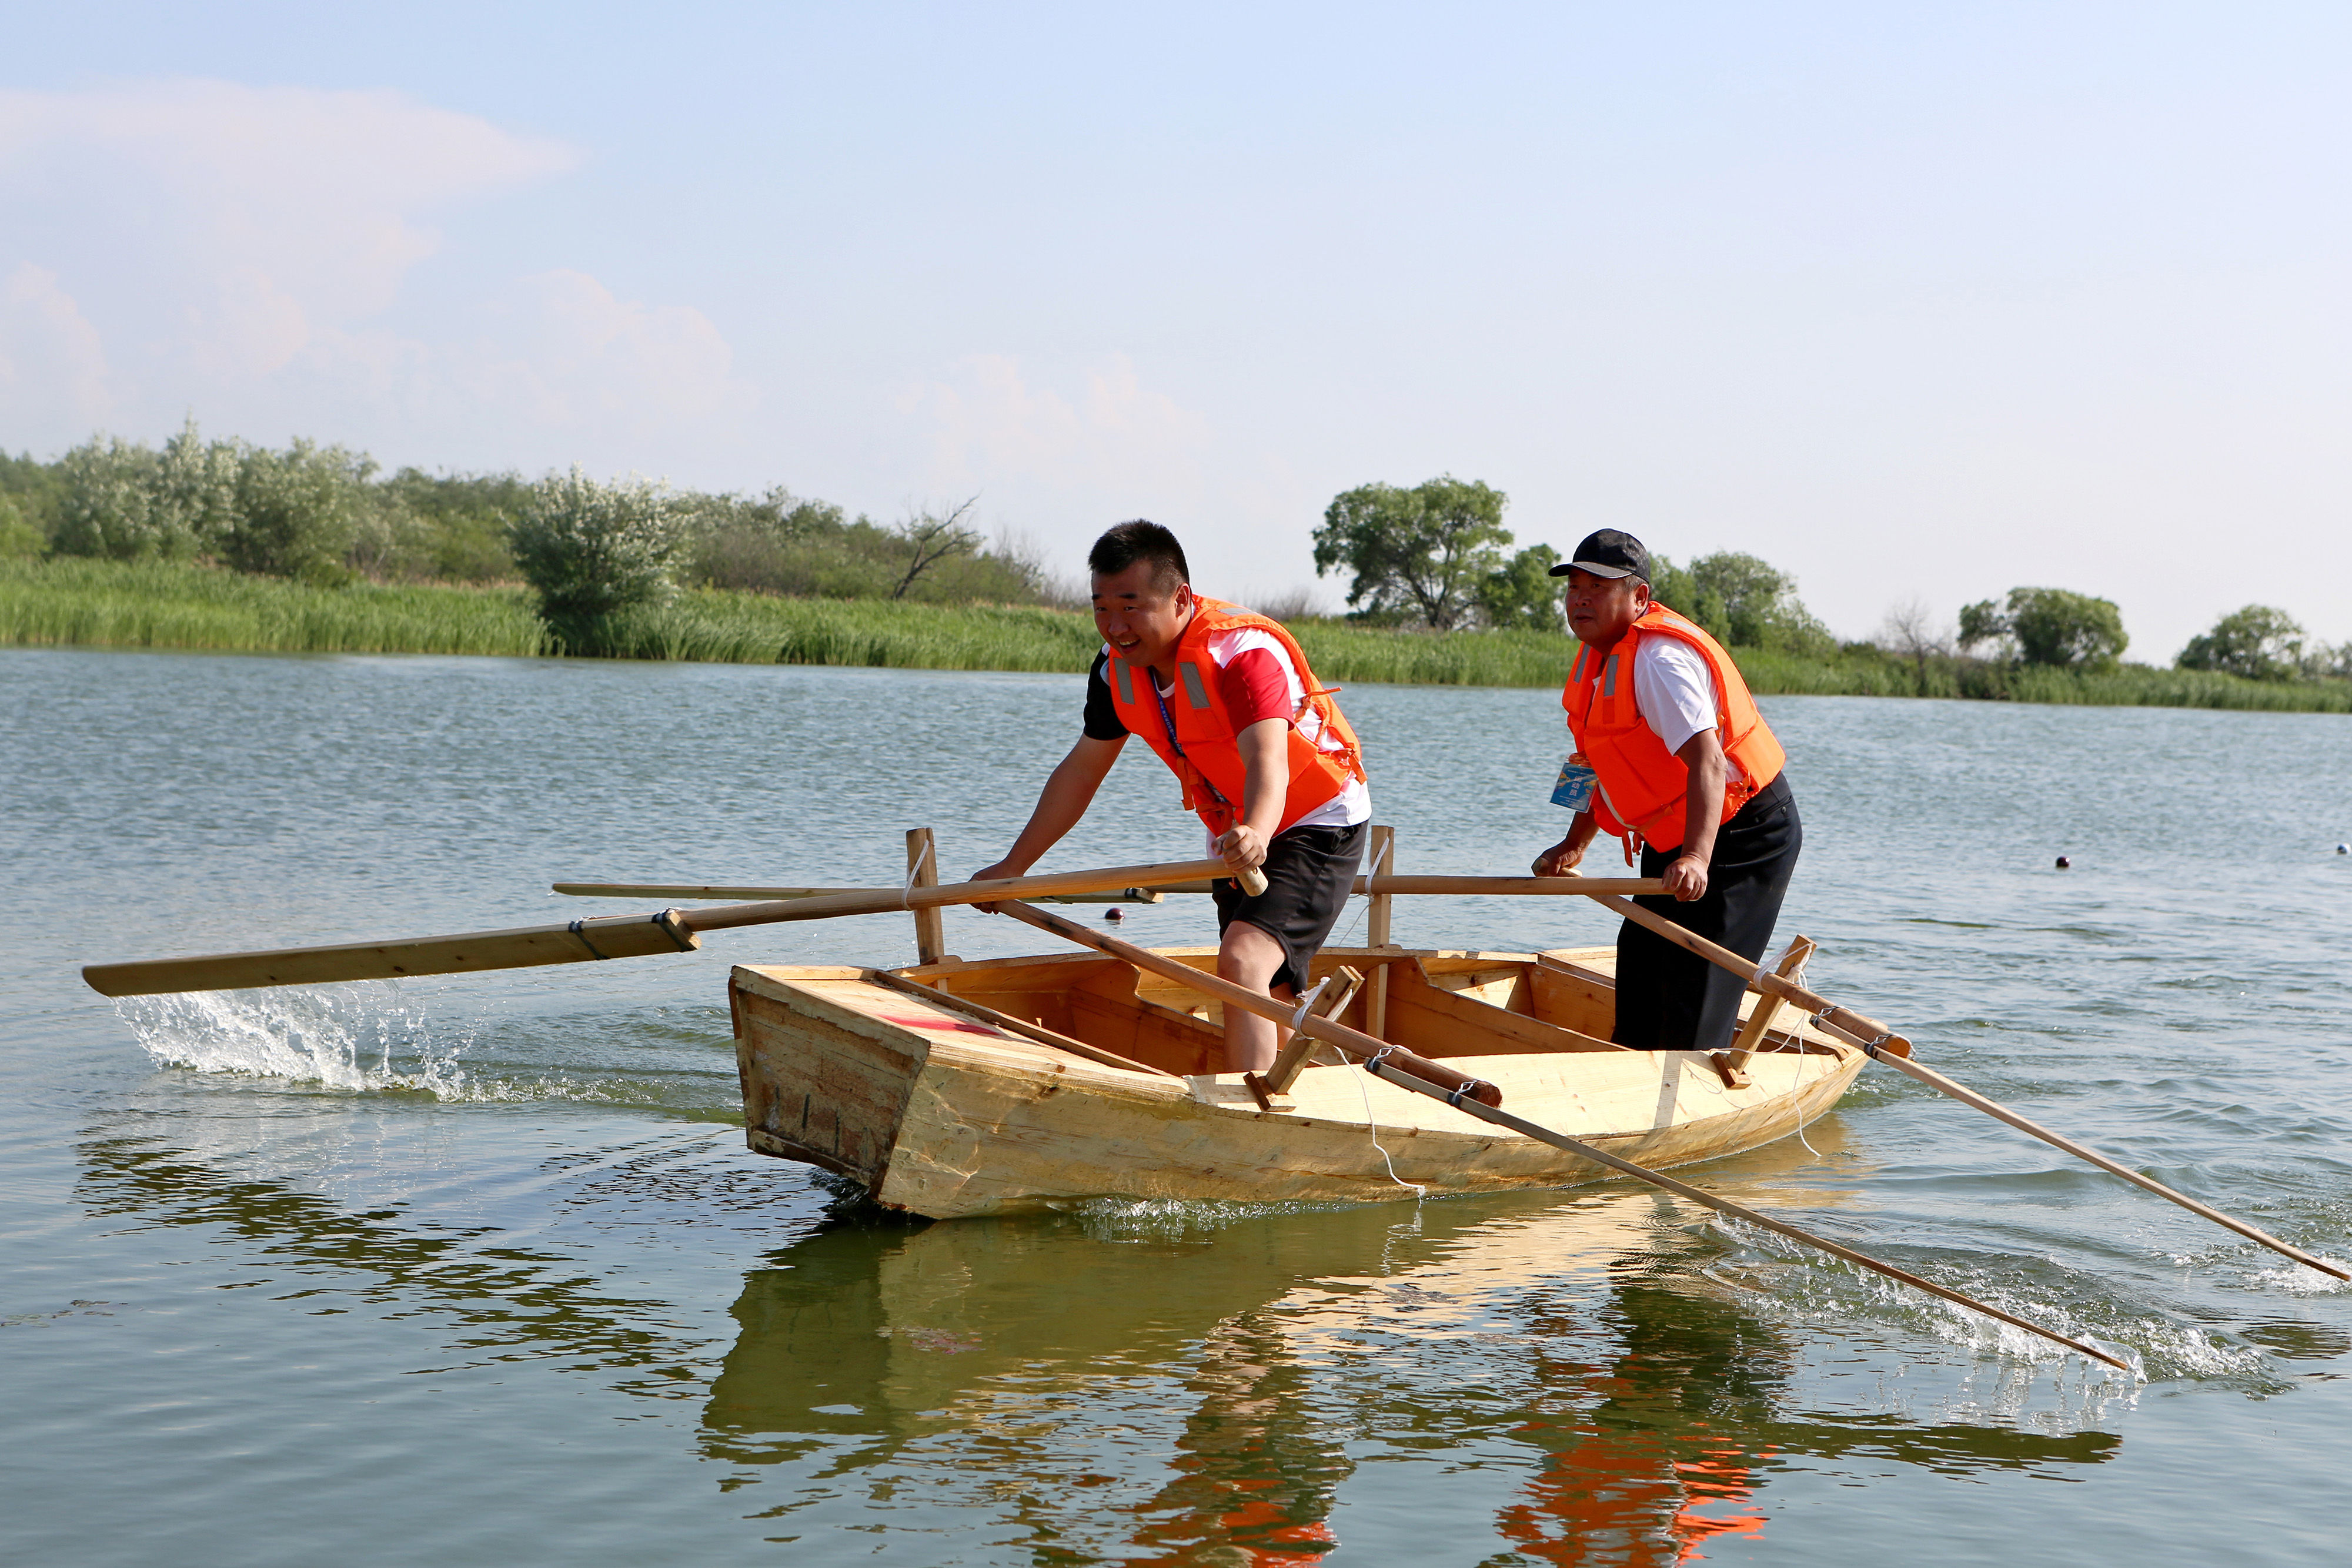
[[1673, 758]]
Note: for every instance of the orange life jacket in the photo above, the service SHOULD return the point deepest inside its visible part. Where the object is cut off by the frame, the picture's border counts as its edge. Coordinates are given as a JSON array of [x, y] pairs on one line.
[[1641, 784], [1194, 732]]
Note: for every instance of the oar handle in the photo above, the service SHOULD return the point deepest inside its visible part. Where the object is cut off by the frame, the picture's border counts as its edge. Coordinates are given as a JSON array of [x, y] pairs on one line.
[[882, 901]]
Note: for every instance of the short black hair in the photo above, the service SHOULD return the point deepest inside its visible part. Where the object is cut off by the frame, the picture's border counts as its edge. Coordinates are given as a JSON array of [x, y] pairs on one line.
[[1121, 546]]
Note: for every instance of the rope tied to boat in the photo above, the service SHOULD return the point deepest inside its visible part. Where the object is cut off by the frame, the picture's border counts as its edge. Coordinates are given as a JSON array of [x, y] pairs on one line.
[[906, 893], [1372, 1126], [1307, 1001]]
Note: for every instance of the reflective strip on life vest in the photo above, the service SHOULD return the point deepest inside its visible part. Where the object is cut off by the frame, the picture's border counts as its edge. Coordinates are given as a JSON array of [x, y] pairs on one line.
[[1197, 738]]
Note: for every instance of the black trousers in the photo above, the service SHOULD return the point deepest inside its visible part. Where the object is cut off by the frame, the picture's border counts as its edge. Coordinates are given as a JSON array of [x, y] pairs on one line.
[[1671, 999]]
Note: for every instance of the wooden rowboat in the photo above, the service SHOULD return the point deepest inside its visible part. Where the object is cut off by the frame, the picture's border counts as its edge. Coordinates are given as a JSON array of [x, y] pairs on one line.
[[940, 1112]]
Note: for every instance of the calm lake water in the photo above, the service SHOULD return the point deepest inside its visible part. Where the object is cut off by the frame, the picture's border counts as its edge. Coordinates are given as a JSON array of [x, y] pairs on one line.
[[476, 1271]]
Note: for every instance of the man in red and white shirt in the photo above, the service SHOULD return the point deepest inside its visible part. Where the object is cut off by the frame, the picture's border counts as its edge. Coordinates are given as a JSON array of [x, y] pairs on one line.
[[1292, 801]]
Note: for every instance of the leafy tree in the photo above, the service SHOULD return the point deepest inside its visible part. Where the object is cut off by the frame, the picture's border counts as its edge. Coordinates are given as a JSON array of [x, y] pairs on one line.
[[1522, 594], [126, 500], [1740, 601], [2258, 642], [296, 512], [590, 548], [18, 536], [1983, 622], [450, 527], [34, 488], [1423, 551], [783, 543], [2049, 626]]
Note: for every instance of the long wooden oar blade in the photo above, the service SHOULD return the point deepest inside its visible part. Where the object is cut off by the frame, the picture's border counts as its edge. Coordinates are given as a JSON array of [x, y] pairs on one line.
[[1891, 1049], [582, 941], [523, 947], [1441, 1082]]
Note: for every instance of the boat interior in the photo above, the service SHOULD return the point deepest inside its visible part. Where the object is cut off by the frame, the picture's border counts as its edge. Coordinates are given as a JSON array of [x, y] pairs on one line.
[[1436, 1004]]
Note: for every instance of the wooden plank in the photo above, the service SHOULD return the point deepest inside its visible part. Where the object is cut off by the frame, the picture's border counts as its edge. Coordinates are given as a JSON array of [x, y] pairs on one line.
[[523, 947], [923, 871], [1007, 1022], [1376, 932], [1343, 985], [1733, 1063], [1438, 1023], [1571, 997], [829, 1090]]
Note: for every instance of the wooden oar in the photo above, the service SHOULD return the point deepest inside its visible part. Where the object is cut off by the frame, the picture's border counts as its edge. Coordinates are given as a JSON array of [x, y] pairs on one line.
[[1587, 887], [1441, 1083], [724, 890], [1883, 1045], [582, 941]]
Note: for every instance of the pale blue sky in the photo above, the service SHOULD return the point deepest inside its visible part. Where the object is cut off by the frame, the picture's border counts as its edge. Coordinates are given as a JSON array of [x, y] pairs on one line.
[[1914, 303]]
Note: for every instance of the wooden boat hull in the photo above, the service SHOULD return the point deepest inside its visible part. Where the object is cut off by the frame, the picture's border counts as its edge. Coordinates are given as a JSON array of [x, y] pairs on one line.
[[941, 1114]]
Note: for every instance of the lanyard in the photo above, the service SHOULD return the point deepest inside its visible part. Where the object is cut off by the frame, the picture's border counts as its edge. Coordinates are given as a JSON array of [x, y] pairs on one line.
[[1168, 721]]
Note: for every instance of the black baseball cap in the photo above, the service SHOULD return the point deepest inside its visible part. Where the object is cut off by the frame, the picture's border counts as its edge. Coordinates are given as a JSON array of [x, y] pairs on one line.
[[1608, 552]]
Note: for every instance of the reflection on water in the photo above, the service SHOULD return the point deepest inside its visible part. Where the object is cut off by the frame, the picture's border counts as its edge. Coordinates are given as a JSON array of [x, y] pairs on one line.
[[1243, 1358], [500, 1301]]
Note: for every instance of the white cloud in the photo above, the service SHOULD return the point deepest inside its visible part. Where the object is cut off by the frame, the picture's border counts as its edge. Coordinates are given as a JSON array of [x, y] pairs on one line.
[[580, 357], [242, 251], [319, 197], [51, 358], [990, 427]]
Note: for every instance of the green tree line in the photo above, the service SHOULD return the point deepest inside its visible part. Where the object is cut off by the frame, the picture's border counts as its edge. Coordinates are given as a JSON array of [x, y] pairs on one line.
[[1436, 557], [325, 515]]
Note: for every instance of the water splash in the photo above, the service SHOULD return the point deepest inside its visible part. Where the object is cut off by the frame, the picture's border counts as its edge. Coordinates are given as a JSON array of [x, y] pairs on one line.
[[1799, 1284], [2295, 1279], [360, 1037]]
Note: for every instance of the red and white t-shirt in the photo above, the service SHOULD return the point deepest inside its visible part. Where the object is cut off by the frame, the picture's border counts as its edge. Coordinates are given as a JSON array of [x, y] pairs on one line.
[[1258, 681]]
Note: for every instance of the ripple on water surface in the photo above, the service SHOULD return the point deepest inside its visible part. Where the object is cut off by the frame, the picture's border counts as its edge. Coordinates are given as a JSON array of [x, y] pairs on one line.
[[307, 1256]]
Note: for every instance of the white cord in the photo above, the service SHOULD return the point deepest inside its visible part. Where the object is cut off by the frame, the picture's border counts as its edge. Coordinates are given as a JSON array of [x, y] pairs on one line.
[[906, 893], [1800, 1106], [1374, 1128]]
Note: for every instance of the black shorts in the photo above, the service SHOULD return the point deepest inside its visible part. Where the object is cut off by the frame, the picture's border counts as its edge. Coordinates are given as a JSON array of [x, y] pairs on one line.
[[1670, 998], [1309, 872]]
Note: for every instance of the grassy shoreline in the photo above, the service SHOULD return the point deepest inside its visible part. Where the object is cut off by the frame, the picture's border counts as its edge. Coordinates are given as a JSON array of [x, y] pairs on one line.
[[155, 605]]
